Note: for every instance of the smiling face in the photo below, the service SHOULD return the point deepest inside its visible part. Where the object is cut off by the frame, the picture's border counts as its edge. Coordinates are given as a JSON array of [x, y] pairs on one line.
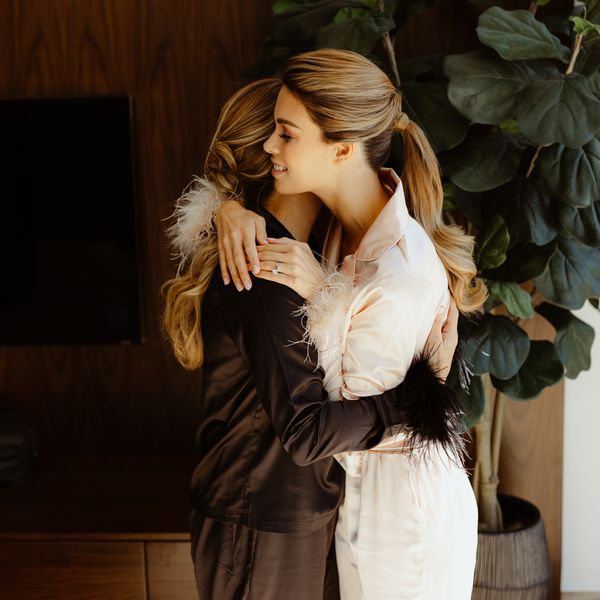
[[302, 160]]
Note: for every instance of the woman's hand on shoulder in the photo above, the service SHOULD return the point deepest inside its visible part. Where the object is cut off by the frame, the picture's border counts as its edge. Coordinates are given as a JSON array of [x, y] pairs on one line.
[[238, 230], [291, 263]]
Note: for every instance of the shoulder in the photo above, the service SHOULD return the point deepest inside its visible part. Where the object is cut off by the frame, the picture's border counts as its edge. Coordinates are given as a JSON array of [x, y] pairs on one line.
[[263, 297]]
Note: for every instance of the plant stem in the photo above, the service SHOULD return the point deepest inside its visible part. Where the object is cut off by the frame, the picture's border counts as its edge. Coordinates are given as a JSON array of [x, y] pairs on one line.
[[533, 161], [574, 53], [497, 430], [388, 45], [389, 48], [490, 516]]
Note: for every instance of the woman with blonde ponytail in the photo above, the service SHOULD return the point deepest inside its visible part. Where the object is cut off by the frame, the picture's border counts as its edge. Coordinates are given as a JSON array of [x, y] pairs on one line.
[[266, 487], [407, 526]]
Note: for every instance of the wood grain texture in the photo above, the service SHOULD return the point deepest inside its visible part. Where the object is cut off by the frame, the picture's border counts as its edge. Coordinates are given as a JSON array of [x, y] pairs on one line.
[[180, 59], [531, 455], [170, 571], [119, 495], [78, 571]]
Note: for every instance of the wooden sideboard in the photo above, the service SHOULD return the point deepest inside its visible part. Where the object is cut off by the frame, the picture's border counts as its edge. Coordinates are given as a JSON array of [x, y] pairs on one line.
[[98, 527]]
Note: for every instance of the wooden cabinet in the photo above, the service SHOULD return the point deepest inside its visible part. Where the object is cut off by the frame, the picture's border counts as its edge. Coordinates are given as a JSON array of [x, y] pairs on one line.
[[96, 570], [98, 528]]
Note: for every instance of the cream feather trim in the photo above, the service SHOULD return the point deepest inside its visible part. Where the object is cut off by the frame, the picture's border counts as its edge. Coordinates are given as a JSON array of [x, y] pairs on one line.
[[326, 316], [194, 213]]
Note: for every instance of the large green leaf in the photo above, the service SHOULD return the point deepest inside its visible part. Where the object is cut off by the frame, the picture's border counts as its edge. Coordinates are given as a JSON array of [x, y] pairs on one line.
[[496, 345], [518, 35], [472, 399], [483, 163], [427, 104], [584, 26], [469, 204], [492, 244], [572, 274], [573, 174], [513, 296], [359, 34], [574, 338], [593, 9], [561, 109], [582, 223], [299, 25], [524, 262], [482, 88], [280, 6], [588, 60], [527, 209], [541, 369]]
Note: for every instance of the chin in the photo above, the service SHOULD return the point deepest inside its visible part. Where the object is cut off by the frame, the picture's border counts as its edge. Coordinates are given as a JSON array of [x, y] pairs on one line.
[[282, 187]]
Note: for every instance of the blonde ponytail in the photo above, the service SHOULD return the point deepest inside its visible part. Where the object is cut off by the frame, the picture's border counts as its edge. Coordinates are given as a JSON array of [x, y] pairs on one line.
[[421, 178]]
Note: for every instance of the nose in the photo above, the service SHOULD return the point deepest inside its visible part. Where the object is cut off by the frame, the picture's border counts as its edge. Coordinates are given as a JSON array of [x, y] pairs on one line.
[[270, 145]]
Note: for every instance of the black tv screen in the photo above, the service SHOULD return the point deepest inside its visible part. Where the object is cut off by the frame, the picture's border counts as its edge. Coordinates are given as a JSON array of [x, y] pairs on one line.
[[69, 260]]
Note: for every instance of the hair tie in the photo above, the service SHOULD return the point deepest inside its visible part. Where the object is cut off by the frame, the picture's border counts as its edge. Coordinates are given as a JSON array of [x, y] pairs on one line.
[[402, 122]]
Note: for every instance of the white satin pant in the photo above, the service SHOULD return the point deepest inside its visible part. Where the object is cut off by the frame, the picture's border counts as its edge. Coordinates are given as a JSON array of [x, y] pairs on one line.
[[407, 528]]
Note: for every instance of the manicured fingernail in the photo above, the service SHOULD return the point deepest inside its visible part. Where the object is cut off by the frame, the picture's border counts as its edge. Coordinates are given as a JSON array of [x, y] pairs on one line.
[[238, 287], [256, 269], [247, 285], [226, 281]]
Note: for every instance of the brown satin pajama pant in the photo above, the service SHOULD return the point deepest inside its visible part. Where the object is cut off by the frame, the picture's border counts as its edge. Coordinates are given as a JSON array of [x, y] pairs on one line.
[[233, 562]]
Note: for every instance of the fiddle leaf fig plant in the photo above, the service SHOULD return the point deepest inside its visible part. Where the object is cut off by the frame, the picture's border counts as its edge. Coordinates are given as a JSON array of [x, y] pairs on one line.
[[515, 124]]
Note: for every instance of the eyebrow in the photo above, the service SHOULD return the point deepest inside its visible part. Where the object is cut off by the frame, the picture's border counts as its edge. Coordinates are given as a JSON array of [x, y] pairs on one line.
[[286, 122]]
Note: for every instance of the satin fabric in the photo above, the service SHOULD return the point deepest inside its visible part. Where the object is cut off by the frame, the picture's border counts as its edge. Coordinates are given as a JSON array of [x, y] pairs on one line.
[[408, 524], [268, 432], [234, 562]]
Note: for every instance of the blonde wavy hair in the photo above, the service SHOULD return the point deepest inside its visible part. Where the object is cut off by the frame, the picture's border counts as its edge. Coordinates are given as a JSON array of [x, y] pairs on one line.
[[235, 164], [351, 99]]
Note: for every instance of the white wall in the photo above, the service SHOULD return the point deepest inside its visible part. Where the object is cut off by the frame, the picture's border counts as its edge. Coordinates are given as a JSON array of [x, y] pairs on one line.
[[581, 473]]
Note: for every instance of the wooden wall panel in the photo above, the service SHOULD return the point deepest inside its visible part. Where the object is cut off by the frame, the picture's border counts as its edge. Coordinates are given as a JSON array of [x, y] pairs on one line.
[[74, 570], [170, 571], [531, 455], [180, 59]]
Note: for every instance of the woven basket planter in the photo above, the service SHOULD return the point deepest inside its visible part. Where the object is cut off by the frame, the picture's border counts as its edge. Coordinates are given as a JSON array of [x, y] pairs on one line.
[[513, 564]]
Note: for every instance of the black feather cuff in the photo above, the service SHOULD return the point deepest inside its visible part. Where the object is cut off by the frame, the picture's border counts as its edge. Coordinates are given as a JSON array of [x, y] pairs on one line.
[[433, 415]]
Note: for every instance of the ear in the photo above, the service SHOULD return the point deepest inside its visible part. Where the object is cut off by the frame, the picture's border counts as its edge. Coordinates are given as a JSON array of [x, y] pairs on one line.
[[343, 151]]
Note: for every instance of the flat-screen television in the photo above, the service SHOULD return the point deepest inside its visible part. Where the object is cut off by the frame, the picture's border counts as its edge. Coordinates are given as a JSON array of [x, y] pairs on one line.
[[69, 251]]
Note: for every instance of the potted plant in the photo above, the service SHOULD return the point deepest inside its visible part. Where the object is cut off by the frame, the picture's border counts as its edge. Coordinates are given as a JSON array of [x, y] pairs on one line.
[[516, 128]]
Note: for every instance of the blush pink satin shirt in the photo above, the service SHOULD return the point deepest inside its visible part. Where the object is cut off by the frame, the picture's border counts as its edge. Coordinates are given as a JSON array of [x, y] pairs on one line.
[[374, 313]]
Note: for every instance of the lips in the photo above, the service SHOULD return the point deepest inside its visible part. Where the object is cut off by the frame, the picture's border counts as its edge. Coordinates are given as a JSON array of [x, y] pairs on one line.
[[278, 170]]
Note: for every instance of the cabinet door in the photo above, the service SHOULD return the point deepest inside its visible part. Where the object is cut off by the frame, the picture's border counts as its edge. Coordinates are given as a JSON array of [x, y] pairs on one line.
[[170, 571], [46, 570]]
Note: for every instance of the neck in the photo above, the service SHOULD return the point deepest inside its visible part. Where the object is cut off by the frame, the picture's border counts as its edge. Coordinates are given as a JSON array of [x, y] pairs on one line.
[[356, 198], [296, 212]]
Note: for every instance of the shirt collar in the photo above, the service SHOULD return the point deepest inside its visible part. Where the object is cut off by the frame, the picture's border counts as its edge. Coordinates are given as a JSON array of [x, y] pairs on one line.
[[388, 228]]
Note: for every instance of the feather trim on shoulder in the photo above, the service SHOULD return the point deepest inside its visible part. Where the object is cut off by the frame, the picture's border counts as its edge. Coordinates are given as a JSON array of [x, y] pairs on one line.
[[194, 213], [325, 315]]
